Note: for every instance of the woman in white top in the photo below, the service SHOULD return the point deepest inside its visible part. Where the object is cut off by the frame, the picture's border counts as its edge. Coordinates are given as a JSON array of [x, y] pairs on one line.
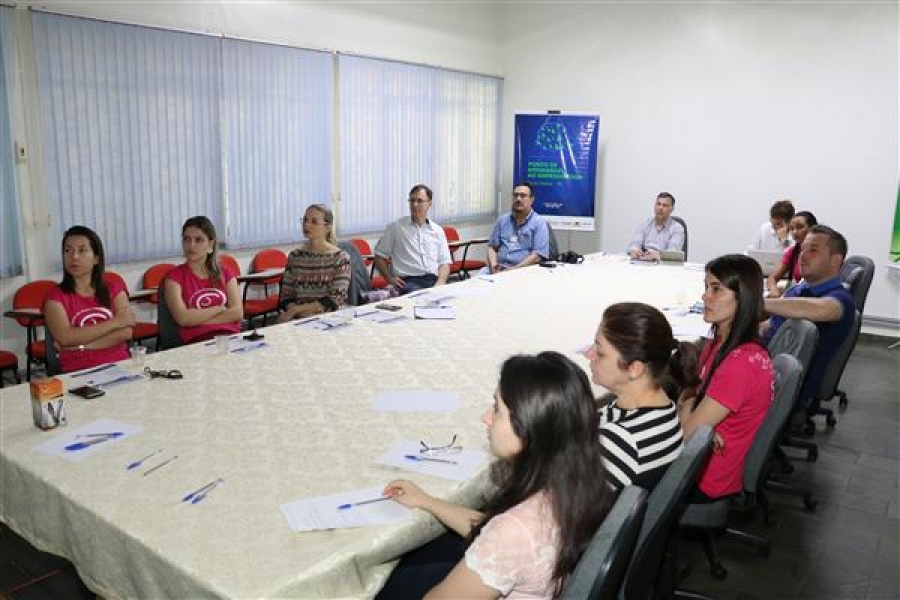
[[551, 493]]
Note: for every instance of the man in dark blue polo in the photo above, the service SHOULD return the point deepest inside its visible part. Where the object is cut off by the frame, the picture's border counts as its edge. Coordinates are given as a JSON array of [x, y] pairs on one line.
[[520, 238], [820, 297]]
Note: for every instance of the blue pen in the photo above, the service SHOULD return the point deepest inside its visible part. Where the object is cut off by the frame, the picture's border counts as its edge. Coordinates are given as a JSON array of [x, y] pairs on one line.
[[140, 461], [198, 492], [429, 459], [96, 439], [361, 502]]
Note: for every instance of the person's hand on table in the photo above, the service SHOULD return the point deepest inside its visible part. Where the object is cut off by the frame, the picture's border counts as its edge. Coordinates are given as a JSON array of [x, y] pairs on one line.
[[396, 281], [406, 493], [651, 255], [636, 253]]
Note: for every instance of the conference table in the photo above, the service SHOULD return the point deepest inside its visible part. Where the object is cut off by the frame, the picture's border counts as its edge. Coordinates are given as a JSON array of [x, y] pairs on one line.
[[294, 420]]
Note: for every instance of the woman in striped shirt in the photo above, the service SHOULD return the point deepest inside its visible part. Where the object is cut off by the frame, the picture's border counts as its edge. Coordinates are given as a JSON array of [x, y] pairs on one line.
[[640, 434]]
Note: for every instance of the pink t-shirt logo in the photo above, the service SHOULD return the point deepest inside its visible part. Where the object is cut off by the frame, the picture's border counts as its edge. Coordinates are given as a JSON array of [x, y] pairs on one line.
[[91, 316], [207, 297]]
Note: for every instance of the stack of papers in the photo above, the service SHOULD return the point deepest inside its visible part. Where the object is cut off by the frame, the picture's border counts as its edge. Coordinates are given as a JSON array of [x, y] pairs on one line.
[[104, 376], [324, 323], [380, 316]]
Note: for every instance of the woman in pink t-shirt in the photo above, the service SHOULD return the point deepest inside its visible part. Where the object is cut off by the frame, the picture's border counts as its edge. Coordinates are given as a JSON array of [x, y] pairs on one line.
[[736, 375], [551, 494], [202, 295], [89, 317]]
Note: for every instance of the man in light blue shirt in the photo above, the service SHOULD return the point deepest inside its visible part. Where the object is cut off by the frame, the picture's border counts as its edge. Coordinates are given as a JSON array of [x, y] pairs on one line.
[[413, 253], [660, 232], [520, 238]]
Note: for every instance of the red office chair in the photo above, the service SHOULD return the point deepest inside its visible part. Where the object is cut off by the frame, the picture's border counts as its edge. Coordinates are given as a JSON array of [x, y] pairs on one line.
[[153, 279], [9, 362], [143, 330], [461, 267], [252, 307], [31, 296], [378, 282], [270, 258]]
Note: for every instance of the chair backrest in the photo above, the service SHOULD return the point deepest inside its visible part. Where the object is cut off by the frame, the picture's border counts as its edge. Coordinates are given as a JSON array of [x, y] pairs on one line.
[[364, 248], [51, 354], [788, 378], [154, 276], [601, 569], [664, 509], [554, 245], [230, 262], [857, 273], [359, 274], [797, 337], [452, 235], [169, 331], [684, 246], [31, 295], [832, 377], [270, 258], [110, 276]]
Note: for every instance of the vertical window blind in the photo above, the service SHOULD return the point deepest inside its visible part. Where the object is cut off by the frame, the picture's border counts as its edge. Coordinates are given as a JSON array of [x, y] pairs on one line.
[[142, 128], [404, 124], [277, 122], [10, 242], [130, 130]]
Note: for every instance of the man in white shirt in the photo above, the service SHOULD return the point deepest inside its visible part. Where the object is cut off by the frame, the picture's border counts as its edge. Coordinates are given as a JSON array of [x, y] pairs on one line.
[[658, 233], [774, 235], [413, 253]]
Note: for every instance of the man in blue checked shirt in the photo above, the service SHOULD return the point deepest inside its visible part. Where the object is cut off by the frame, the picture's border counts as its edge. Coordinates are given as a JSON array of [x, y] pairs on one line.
[[520, 238]]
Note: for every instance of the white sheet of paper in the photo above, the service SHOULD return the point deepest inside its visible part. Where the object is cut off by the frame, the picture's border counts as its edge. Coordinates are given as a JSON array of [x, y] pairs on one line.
[[434, 298], [434, 312], [380, 316], [467, 461], [490, 278], [57, 444], [416, 401], [109, 375], [312, 514], [324, 323]]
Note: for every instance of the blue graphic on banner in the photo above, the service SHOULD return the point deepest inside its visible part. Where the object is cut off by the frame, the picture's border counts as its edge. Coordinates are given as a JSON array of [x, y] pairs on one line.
[[558, 155]]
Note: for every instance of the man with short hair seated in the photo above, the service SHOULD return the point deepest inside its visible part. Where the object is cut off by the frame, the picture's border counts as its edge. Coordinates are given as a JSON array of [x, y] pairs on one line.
[[416, 247], [774, 235], [520, 237], [820, 297], [658, 233]]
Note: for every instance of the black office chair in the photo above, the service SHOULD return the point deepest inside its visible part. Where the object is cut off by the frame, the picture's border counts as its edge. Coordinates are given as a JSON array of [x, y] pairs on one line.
[[51, 354], [602, 567], [857, 273], [684, 247], [651, 573], [713, 516], [360, 280], [169, 331], [554, 245], [828, 387]]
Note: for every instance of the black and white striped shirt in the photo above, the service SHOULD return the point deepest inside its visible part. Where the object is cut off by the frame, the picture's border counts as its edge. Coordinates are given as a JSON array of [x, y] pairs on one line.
[[639, 444]]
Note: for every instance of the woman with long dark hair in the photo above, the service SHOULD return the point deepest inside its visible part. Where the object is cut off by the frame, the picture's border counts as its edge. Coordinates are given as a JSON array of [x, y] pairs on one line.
[[631, 356], [790, 263], [551, 489], [89, 317], [201, 294], [736, 375]]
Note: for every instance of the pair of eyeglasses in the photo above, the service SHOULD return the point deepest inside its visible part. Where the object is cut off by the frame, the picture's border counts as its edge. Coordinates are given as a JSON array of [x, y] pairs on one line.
[[521, 194], [170, 374], [418, 201], [429, 450]]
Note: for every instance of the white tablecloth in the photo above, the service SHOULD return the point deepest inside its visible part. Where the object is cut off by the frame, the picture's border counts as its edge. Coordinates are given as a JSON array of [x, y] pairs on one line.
[[286, 422]]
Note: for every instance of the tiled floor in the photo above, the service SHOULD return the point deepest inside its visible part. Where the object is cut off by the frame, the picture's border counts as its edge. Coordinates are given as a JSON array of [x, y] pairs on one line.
[[849, 548]]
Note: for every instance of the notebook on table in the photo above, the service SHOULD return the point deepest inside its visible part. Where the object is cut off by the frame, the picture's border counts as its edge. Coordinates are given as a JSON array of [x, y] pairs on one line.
[[768, 259]]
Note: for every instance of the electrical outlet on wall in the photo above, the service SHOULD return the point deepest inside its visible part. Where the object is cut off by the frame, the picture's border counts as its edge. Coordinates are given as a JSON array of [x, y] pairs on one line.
[[21, 153]]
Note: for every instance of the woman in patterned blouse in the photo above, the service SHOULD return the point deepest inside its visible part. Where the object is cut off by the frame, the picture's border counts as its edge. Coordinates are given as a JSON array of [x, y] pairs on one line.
[[317, 274]]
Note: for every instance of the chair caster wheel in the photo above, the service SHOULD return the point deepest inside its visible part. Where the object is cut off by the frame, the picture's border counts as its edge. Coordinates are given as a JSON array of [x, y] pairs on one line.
[[809, 504], [842, 402], [809, 428], [812, 455], [830, 421], [718, 572]]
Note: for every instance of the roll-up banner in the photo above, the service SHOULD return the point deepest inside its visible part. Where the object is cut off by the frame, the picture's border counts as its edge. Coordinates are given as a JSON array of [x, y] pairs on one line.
[[557, 154]]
